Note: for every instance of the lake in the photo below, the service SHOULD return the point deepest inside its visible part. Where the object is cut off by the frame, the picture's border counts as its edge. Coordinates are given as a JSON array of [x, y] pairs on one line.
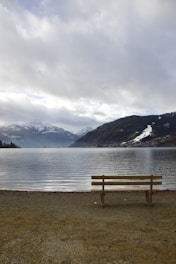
[[70, 169]]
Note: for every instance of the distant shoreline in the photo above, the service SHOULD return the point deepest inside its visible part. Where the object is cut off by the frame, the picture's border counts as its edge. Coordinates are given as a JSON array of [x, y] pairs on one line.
[[7, 145]]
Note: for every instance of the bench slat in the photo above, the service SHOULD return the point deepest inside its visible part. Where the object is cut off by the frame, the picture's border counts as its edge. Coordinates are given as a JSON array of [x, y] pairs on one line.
[[127, 183], [130, 177], [126, 190]]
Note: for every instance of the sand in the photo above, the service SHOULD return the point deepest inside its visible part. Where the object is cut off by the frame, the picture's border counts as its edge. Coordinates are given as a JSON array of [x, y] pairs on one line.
[[63, 228]]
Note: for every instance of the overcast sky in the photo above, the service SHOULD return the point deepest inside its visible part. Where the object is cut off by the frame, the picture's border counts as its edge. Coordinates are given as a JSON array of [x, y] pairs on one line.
[[81, 63]]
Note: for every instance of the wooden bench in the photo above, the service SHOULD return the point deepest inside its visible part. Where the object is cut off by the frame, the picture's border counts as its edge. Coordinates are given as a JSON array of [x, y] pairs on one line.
[[138, 183]]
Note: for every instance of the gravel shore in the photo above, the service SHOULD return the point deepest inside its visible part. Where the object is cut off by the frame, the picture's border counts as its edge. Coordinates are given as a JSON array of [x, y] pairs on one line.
[[65, 228]]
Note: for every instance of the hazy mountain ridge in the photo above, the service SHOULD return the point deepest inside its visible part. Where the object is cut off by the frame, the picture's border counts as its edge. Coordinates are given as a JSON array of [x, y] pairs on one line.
[[151, 130], [37, 135]]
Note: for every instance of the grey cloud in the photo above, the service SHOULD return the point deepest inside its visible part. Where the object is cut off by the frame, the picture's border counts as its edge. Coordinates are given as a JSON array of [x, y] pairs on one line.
[[25, 112], [116, 52]]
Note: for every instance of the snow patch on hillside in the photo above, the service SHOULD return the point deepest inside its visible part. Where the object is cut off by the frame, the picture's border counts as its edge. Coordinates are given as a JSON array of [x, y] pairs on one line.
[[145, 133]]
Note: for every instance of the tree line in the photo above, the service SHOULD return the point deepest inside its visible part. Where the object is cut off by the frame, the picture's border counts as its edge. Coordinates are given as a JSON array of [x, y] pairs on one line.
[[6, 145]]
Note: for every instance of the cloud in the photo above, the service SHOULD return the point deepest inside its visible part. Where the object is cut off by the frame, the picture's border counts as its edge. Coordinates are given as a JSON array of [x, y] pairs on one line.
[[22, 108], [87, 61]]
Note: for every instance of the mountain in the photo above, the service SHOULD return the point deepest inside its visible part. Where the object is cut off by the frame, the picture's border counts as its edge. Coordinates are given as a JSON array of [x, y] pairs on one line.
[[37, 135], [152, 130], [84, 131]]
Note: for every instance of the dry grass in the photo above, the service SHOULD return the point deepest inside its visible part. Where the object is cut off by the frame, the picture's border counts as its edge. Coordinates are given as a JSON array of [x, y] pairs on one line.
[[68, 228]]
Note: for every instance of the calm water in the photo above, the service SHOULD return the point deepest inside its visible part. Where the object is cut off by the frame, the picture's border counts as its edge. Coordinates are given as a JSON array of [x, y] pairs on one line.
[[70, 169]]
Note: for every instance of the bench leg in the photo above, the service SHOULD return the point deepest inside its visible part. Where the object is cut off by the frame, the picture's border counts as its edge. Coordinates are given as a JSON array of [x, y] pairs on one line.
[[102, 198]]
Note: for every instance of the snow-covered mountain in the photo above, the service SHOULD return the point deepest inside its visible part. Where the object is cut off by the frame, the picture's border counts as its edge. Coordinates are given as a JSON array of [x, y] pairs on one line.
[[133, 131], [37, 135]]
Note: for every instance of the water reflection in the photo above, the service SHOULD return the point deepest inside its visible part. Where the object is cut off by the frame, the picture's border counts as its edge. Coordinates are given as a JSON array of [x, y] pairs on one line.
[[67, 169]]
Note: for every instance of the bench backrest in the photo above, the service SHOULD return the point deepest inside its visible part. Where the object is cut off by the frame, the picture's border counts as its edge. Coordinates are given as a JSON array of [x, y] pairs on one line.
[[142, 180]]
